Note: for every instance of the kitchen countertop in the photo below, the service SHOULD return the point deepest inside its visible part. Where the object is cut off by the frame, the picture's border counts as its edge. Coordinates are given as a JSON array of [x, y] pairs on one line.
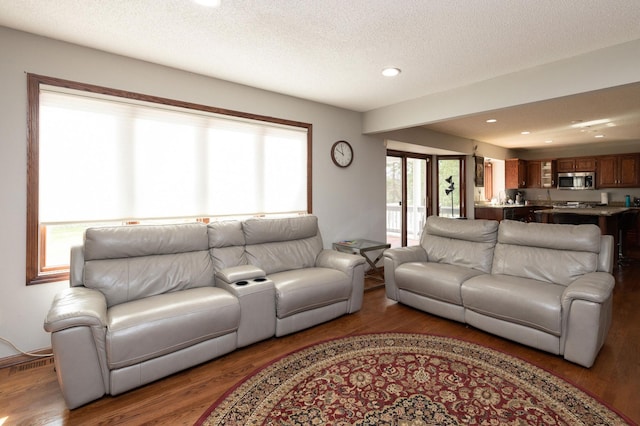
[[499, 206], [594, 211]]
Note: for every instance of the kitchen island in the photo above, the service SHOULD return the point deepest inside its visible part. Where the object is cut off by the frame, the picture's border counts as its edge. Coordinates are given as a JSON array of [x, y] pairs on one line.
[[500, 212]]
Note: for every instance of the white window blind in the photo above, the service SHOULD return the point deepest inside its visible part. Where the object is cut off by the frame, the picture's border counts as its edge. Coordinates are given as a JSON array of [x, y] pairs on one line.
[[105, 158]]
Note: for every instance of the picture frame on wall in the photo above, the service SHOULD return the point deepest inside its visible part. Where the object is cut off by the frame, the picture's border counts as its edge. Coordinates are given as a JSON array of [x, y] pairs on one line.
[[479, 175]]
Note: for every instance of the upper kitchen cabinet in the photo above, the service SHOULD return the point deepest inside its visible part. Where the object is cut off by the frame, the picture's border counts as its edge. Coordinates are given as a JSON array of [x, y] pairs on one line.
[[534, 172], [579, 164], [618, 171], [548, 173], [541, 174], [515, 173]]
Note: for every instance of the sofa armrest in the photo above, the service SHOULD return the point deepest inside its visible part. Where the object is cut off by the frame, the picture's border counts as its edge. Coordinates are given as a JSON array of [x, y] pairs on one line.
[[594, 287], [395, 257], [586, 317], [257, 297], [344, 262], [605, 258], [76, 266], [350, 264], [76, 307], [239, 273], [402, 255], [77, 320]]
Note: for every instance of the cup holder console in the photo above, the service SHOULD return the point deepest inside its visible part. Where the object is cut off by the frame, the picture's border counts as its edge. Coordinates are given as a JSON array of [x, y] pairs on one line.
[[255, 280]]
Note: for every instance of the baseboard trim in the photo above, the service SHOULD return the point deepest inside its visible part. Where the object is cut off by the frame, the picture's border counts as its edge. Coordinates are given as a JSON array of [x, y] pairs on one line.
[[12, 361]]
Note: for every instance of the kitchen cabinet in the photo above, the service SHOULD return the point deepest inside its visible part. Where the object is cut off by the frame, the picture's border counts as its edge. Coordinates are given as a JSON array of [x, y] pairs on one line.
[[521, 213], [548, 174], [618, 171], [541, 174], [515, 173], [577, 164], [566, 165], [534, 172], [489, 213]]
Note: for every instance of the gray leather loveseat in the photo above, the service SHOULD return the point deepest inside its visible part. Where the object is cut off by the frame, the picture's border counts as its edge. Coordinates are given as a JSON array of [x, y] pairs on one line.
[[148, 301], [543, 285]]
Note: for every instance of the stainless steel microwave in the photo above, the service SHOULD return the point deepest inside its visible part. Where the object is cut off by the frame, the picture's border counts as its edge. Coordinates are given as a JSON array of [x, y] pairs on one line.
[[578, 180]]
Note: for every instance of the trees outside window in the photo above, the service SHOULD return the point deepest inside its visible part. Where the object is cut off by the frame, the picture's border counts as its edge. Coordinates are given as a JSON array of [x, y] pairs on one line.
[[451, 186]]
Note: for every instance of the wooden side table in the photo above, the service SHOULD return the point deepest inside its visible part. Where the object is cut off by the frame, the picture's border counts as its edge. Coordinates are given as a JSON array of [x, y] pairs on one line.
[[362, 247]]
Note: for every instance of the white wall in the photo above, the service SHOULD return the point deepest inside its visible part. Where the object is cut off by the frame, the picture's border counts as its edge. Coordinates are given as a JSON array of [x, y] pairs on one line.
[[350, 203]]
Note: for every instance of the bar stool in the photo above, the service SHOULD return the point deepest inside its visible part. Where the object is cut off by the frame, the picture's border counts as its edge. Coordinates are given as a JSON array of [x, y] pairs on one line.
[[627, 222]]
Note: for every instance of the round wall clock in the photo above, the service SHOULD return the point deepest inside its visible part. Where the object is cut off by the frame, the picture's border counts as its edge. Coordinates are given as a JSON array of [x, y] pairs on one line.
[[342, 154]]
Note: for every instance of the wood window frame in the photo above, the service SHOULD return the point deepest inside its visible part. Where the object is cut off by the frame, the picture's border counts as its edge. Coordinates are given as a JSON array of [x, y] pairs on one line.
[[36, 272], [462, 187], [404, 157]]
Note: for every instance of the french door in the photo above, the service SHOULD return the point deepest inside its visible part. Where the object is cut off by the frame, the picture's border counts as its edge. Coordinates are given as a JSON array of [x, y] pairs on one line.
[[408, 194]]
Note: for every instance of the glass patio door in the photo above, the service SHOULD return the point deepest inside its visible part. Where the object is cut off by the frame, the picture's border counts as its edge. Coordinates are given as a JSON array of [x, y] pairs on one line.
[[407, 197]]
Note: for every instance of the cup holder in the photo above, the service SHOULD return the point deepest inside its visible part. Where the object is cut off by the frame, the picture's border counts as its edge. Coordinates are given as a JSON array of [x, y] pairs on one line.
[[250, 280]]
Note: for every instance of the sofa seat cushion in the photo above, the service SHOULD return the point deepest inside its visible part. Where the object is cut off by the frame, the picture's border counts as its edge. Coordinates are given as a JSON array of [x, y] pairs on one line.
[[532, 303], [154, 326], [439, 281], [305, 289]]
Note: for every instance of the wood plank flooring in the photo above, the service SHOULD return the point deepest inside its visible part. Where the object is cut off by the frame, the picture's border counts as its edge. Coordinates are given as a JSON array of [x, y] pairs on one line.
[[29, 393]]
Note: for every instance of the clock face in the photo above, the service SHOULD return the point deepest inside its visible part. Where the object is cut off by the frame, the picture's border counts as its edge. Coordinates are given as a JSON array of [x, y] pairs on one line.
[[342, 153]]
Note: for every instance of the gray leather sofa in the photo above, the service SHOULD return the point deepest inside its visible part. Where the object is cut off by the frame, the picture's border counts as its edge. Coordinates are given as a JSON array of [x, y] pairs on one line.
[[543, 285], [148, 301]]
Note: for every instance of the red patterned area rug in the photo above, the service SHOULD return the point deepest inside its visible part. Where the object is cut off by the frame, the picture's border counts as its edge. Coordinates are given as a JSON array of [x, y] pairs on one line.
[[405, 379]]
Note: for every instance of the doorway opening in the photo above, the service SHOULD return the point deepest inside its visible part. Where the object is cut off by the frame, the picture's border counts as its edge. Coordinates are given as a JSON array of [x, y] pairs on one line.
[[408, 194]]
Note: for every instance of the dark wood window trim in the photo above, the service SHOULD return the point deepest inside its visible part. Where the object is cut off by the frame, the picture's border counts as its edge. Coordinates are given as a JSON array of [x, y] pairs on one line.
[[34, 269]]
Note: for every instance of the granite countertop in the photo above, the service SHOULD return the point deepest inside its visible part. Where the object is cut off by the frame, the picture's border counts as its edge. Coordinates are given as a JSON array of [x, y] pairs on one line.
[[507, 206], [594, 211]]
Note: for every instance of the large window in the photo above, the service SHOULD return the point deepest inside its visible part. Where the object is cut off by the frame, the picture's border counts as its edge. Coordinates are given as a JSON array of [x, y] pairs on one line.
[[100, 156], [451, 186]]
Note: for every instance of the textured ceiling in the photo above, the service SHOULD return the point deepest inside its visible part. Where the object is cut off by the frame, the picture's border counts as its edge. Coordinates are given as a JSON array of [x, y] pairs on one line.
[[332, 51]]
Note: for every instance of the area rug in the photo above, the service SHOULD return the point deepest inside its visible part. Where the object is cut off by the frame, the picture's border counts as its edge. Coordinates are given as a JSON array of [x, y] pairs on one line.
[[405, 379]]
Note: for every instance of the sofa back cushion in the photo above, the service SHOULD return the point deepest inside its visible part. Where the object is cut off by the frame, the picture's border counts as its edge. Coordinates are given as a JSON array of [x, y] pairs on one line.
[[226, 244], [276, 245], [467, 243], [546, 252], [132, 262]]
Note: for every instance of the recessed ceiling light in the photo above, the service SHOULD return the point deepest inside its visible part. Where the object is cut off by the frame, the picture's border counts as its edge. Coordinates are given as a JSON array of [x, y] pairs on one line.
[[548, 141], [491, 120], [208, 3], [581, 124], [599, 136], [391, 72], [526, 132]]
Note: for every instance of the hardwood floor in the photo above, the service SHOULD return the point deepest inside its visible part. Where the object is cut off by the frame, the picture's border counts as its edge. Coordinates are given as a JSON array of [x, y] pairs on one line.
[[29, 393]]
